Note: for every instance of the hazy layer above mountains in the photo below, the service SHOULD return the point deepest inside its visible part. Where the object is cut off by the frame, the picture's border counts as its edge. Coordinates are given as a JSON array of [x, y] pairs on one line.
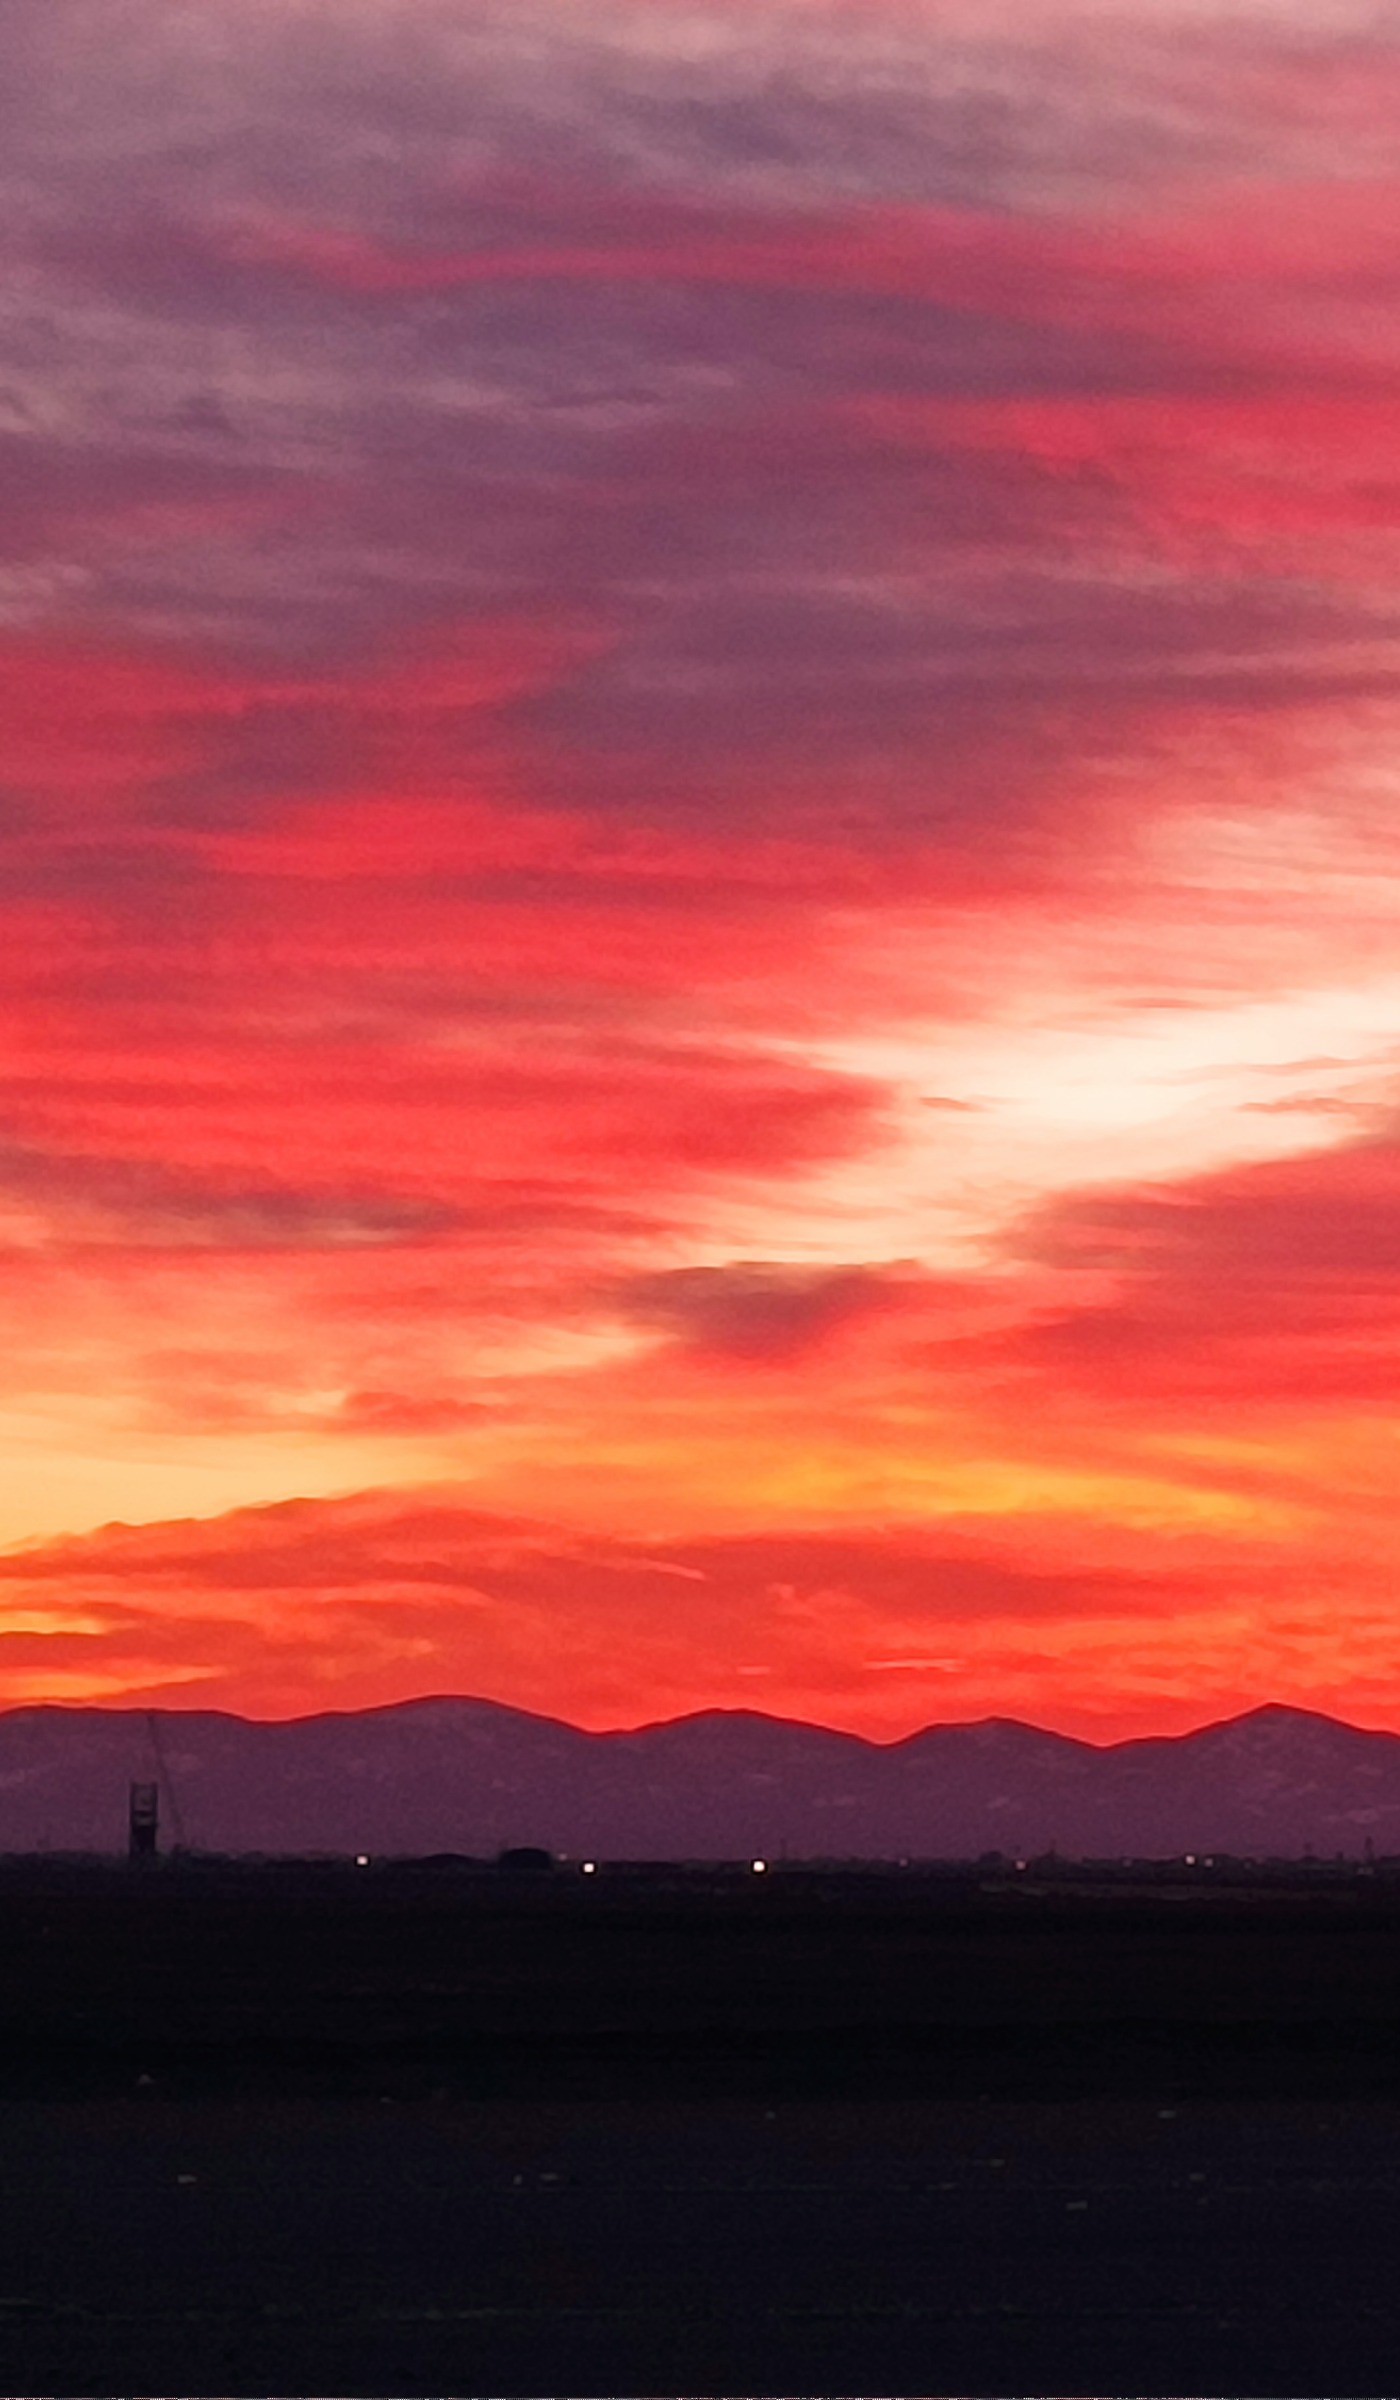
[[470, 1776]]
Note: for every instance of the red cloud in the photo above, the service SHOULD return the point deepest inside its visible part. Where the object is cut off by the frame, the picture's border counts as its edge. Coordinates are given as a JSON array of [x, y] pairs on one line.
[[238, 1152], [1271, 1289], [361, 1601], [84, 720]]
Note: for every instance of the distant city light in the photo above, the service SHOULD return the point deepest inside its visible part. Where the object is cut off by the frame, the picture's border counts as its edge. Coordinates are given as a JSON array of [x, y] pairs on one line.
[[362, 1858], [590, 1866], [760, 1866], [1190, 1858]]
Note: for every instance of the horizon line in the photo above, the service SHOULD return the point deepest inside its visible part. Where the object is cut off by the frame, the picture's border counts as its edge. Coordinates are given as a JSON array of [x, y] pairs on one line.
[[379, 1708]]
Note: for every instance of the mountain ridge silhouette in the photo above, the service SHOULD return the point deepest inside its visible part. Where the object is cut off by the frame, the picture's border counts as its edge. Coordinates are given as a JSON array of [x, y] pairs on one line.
[[457, 1772]]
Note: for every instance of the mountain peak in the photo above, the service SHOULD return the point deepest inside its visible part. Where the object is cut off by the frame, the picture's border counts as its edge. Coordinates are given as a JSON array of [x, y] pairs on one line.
[[1275, 1721], [993, 1733]]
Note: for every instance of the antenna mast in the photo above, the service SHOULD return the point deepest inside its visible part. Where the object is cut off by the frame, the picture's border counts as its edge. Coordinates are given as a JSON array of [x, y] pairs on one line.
[[163, 1776]]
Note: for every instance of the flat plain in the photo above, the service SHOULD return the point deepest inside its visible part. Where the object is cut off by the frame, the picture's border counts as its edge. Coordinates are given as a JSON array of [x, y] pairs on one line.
[[412, 2130]]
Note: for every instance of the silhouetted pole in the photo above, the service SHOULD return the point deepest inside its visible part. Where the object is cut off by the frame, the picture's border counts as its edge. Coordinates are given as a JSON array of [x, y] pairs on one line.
[[141, 1822]]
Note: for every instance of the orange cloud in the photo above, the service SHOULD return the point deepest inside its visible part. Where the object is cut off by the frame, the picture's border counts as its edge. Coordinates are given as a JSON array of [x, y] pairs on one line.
[[357, 1602]]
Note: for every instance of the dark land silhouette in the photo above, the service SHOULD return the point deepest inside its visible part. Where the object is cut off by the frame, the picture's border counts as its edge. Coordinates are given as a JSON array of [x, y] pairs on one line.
[[470, 1776], [444, 2127], [1019, 2066]]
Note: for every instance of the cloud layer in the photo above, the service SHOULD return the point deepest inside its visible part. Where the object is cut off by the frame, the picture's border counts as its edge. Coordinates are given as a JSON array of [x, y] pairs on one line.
[[697, 729]]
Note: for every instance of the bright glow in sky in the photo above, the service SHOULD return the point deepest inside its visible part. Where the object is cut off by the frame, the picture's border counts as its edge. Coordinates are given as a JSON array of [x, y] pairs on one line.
[[698, 869]]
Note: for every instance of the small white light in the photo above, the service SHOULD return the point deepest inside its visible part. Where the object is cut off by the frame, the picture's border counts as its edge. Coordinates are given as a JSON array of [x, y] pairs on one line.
[[760, 1866], [1190, 1858], [362, 1858], [589, 1867]]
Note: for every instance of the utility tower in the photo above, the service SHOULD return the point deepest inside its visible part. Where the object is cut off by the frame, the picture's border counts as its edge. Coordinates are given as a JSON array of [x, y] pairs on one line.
[[141, 1822]]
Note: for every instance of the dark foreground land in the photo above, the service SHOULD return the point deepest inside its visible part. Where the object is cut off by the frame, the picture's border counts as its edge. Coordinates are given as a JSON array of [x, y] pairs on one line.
[[406, 2132]]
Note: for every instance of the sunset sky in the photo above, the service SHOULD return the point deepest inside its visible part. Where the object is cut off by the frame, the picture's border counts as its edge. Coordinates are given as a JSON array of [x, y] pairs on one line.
[[699, 870]]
